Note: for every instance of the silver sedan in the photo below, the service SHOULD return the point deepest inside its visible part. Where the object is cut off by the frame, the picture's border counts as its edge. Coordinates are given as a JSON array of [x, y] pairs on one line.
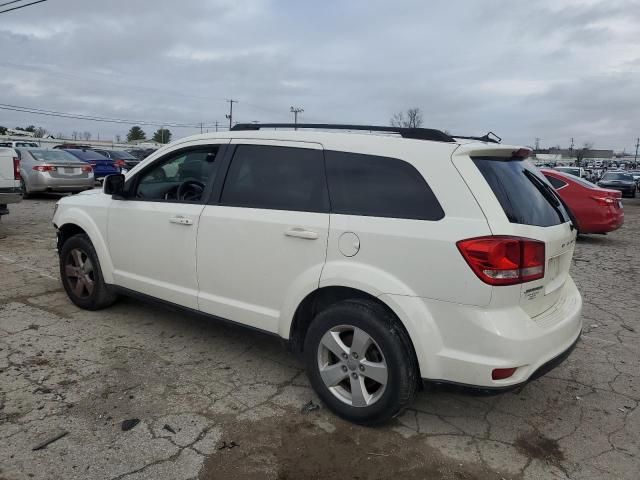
[[53, 171]]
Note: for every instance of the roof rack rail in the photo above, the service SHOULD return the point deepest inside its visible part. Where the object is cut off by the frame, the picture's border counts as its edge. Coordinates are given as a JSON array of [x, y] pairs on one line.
[[414, 133], [485, 138]]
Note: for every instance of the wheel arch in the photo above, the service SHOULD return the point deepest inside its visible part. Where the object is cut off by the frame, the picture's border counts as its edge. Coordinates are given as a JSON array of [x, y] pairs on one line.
[[82, 224], [320, 299]]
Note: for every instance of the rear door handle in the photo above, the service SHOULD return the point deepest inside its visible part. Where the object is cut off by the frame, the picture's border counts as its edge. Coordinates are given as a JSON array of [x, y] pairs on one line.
[[180, 220], [302, 233]]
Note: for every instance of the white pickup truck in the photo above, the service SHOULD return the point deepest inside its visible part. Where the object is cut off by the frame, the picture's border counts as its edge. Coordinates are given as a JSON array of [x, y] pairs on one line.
[[10, 191]]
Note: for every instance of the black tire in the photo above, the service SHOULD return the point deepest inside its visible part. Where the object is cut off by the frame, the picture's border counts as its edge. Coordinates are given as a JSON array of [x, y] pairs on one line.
[[25, 192], [101, 295], [393, 343]]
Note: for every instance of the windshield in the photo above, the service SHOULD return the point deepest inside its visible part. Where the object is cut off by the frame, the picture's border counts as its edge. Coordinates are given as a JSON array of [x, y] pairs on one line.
[[122, 155], [617, 176], [571, 171], [52, 156]]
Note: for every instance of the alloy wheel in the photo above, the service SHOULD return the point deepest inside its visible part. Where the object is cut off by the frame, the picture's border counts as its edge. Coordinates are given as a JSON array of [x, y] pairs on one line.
[[352, 366], [80, 273]]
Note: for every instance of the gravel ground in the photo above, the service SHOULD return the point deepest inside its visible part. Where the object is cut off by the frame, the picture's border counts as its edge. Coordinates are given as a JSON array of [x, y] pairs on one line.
[[220, 402]]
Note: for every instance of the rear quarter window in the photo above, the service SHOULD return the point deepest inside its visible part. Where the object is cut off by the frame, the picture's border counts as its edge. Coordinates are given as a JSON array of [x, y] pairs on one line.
[[522, 198], [378, 186]]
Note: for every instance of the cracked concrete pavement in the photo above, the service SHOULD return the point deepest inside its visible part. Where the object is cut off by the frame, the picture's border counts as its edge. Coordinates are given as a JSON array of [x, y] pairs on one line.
[[216, 401]]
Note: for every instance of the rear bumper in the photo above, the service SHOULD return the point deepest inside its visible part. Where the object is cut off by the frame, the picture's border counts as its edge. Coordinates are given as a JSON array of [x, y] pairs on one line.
[[610, 221], [10, 195], [463, 344], [43, 182]]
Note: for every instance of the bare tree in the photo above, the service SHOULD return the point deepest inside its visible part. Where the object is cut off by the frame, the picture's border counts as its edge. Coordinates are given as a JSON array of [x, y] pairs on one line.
[[581, 153], [40, 132], [412, 118], [118, 138], [75, 135], [86, 136]]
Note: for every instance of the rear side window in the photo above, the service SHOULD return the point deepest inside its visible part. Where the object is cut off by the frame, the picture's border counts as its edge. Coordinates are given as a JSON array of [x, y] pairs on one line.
[[376, 186], [556, 182], [522, 191], [278, 178]]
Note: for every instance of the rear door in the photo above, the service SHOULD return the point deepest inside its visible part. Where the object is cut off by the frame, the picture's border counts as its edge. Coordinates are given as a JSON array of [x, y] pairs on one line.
[[517, 200], [266, 236]]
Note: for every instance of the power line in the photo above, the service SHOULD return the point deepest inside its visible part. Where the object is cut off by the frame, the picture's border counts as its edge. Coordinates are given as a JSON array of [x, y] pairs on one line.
[[19, 7], [53, 113], [9, 3]]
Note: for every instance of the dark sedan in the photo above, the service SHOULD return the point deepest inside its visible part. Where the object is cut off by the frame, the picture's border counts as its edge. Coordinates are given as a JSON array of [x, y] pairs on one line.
[[102, 166], [619, 181], [123, 159]]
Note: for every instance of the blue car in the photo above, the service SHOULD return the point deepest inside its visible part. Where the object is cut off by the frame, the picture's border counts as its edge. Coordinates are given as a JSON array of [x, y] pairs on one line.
[[102, 166]]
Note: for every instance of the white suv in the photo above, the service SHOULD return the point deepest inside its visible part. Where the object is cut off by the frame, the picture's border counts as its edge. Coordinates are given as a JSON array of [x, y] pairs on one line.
[[383, 258]]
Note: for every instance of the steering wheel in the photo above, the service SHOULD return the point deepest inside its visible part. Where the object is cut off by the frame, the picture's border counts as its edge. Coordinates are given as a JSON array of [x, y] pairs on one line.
[[190, 190]]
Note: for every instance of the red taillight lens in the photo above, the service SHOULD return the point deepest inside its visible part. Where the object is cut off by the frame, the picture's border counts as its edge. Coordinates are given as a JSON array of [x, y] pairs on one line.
[[502, 373], [119, 164], [16, 168], [44, 168], [605, 201], [87, 168], [503, 260]]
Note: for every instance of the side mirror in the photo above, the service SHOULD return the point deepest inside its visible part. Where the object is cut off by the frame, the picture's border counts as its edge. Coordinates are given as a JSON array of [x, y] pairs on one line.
[[114, 185]]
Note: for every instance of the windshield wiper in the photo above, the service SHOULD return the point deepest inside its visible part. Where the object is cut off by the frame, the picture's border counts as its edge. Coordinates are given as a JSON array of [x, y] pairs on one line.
[[549, 194]]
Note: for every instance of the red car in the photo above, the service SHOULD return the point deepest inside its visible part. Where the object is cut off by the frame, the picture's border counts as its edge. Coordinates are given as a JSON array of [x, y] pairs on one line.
[[596, 210]]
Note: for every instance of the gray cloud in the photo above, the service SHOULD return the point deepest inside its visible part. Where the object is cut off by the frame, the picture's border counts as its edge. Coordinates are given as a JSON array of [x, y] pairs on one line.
[[548, 69]]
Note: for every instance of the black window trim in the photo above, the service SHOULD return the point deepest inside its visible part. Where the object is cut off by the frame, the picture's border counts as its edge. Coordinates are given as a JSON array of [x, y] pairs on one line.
[[216, 199], [132, 183]]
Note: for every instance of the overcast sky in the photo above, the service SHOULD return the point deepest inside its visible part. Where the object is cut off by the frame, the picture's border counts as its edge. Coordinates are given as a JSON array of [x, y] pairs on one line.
[[553, 69]]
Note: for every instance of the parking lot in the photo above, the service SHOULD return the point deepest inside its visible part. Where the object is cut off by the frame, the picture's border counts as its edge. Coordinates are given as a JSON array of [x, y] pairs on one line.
[[215, 401]]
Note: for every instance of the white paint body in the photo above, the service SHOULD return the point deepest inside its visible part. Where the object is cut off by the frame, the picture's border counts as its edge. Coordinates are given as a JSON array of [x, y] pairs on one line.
[[255, 266]]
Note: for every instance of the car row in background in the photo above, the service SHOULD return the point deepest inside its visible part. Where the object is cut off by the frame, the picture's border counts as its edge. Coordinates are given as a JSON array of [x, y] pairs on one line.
[[123, 159], [594, 209]]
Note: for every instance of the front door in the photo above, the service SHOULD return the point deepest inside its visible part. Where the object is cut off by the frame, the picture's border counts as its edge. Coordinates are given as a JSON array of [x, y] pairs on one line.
[[152, 233], [266, 237]]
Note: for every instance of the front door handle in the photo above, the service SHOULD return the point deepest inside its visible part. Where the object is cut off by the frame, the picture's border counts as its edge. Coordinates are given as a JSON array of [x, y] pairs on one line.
[[302, 233], [180, 220]]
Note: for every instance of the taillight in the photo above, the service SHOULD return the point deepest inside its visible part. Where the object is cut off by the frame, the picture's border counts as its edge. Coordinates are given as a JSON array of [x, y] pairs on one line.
[[504, 260], [16, 168], [87, 168], [44, 168], [604, 201], [119, 164]]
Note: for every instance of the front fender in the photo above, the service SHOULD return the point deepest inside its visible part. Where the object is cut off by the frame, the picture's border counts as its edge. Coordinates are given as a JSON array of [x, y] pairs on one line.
[[95, 228]]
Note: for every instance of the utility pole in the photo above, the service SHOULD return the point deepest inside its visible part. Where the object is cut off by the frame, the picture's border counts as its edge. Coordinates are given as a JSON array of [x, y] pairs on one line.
[[216, 125], [201, 127], [230, 116], [635, 158], [537, 144], [296, 111]]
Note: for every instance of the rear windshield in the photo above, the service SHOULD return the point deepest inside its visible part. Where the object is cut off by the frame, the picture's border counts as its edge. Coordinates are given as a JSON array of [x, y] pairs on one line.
[[523, 192], [572, 171], [52, 156], [617, 176], [88, 155], [122, 155]]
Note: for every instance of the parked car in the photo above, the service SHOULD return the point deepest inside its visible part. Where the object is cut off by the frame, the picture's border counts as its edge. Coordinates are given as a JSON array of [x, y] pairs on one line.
[[102, 166], [122, 159], [435, 258], [575, 171], [141, 153], [19, 144], [9, 179], [53, 171], [595, 209], [619, 181]]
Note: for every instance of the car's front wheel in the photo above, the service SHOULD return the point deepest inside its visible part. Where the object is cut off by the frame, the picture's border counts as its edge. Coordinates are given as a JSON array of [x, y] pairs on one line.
[[81, 275], [360, 361]]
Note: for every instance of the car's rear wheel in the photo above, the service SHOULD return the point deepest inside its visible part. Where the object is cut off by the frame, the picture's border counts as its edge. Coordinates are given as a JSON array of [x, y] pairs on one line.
[[25, 191], [360, 361], [81, 274]]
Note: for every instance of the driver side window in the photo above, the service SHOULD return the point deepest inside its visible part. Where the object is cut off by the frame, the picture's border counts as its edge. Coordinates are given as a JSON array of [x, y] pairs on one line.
[[181, 177]]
